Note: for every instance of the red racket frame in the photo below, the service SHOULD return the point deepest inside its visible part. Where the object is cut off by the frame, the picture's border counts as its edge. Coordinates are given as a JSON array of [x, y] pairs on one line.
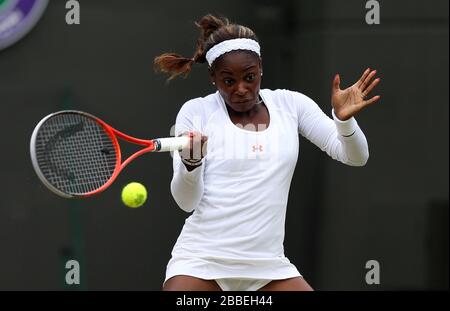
[[113, 134]]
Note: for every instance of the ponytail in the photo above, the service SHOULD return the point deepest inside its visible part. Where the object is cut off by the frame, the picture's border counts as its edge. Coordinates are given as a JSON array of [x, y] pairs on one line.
[[173, 64], [213, 30]]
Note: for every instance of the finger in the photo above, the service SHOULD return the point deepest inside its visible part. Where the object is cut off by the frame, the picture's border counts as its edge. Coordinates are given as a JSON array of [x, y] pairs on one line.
[[372, 100], [184, 153], [363, 77], [204, 148], [196, 146], [371, 86], [204, 143], [367, 80], [195, 134], [336, 83]]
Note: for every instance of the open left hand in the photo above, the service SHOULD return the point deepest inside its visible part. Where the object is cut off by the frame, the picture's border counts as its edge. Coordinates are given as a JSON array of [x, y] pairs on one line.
[[347, 103]]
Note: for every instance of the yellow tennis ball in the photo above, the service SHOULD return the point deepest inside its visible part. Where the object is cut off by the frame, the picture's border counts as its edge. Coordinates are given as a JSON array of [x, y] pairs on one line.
[[134, 194]]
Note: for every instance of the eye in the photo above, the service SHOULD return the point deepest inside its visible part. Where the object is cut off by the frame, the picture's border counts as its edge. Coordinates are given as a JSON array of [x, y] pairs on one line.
[[228, 81], [251, 77]]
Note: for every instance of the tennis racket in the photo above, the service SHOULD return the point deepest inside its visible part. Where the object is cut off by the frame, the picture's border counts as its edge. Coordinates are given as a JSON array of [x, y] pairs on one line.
[[75, 154]]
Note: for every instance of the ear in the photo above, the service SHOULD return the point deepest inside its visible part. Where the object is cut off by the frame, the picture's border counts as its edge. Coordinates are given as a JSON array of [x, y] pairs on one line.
[[212, 75], [260, 65]]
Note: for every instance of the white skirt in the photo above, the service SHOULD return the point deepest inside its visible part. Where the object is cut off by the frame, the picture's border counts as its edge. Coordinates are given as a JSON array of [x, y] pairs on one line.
[[213, 268]]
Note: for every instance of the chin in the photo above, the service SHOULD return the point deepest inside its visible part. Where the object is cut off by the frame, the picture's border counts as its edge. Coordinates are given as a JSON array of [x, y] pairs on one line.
[[241, 107]]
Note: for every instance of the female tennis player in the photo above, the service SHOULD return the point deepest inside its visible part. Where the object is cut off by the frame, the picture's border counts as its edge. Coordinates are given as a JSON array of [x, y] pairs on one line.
[[237, 183]]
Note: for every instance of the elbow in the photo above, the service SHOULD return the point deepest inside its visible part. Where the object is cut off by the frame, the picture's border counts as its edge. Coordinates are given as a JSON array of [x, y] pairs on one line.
[[362, 161], [188, 208], [185, 207], [359, 164]]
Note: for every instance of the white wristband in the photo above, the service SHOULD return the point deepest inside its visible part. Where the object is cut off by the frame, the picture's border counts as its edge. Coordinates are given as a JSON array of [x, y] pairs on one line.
[[345, 128], [192, 162]]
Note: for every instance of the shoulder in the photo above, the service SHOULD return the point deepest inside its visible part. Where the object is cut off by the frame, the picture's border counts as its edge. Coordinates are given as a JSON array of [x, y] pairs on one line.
[[285, 96], [287, 101], [200, 105]]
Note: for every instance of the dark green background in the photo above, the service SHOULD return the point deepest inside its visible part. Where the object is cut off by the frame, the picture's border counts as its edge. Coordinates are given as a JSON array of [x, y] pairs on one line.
[[394, 210]]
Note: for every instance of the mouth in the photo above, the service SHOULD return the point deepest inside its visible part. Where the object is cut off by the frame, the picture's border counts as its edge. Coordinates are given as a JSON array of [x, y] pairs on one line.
[[240, 102]]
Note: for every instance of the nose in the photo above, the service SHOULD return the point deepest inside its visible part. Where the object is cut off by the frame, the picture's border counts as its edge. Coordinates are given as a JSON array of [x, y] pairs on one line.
[[241, 89]]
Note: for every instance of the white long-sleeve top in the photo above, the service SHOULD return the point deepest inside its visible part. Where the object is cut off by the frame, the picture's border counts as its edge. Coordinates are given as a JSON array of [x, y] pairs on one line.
[[240, 192]]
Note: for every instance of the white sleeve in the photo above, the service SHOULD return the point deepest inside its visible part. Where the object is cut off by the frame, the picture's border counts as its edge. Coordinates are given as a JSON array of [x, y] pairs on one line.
[[186, 187], [341, 140]]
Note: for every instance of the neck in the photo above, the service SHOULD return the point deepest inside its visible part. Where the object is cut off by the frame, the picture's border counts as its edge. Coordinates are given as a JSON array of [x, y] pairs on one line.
[[246, 114]]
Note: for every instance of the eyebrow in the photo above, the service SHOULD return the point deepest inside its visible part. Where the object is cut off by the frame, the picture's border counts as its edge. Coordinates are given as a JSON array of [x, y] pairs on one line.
[[226, 71]]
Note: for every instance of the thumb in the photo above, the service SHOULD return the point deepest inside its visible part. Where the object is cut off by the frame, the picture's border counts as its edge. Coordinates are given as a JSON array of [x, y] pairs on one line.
[[336, 83]]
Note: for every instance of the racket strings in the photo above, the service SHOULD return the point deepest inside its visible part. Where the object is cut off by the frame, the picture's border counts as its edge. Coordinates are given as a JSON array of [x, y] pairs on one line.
[[75, 154]]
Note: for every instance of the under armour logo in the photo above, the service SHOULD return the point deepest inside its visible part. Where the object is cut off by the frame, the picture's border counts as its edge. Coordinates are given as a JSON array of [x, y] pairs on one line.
[[257, 147]]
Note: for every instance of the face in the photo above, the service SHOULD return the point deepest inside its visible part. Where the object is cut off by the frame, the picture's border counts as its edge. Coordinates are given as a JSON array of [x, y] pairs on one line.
[[237, 76]]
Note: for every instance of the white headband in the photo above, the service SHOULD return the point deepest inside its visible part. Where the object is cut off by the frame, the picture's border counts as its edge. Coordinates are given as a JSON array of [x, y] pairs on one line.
[[232, 45]]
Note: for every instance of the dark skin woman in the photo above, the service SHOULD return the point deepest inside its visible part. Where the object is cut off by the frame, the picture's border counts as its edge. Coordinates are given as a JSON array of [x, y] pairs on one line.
[[237, 75]]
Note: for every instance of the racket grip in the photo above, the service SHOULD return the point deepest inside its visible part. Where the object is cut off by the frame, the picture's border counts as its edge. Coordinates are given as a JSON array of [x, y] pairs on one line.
[[171, 144]]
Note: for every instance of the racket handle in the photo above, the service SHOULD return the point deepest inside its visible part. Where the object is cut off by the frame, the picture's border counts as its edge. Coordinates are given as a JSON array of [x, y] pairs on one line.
[[171, 144]]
